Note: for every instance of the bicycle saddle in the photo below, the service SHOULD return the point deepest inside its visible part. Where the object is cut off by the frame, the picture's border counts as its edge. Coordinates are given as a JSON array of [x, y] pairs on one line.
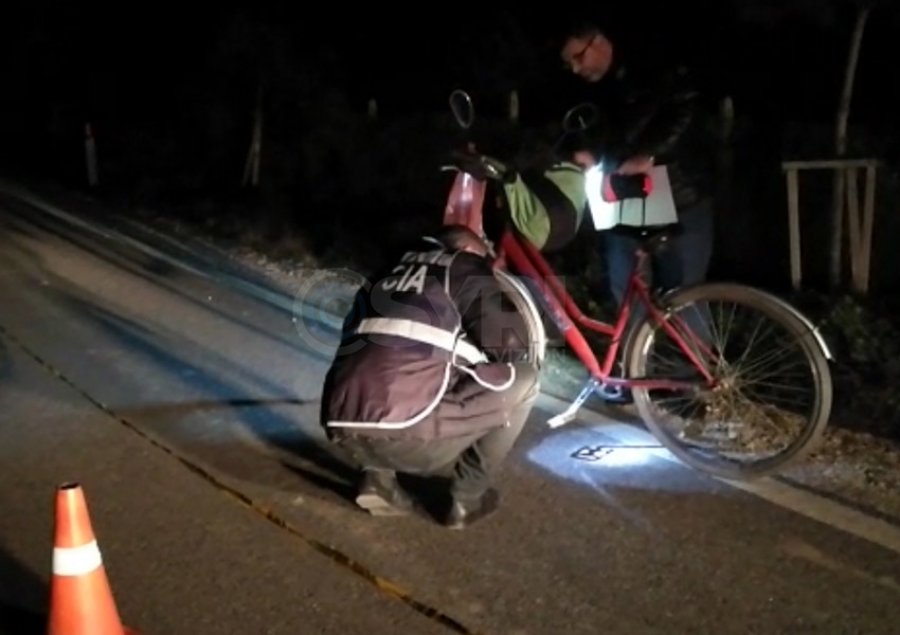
[[650, 236]]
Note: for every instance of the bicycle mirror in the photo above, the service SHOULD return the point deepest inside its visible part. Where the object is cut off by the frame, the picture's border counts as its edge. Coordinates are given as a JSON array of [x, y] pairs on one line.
[[463, 110], [581, 117]]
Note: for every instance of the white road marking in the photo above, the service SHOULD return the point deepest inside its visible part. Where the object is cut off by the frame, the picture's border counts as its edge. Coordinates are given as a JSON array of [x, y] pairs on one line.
[[271, 297]]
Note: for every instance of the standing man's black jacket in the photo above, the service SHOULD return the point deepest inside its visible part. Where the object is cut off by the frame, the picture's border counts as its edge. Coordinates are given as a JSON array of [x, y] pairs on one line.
[[436, 318], [651, 109]]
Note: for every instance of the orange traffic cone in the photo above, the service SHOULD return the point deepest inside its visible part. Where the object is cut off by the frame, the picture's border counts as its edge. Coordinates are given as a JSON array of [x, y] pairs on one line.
[[81, 602]]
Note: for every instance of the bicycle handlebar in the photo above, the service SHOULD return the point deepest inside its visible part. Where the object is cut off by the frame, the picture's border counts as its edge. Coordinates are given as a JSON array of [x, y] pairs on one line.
[[479, 166]]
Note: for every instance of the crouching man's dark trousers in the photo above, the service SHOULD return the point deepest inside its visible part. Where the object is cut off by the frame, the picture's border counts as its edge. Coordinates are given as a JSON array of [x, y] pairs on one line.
[[482, 425]]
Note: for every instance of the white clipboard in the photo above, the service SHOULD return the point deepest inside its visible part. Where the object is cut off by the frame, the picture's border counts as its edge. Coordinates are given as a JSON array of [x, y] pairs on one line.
[[657, 209]]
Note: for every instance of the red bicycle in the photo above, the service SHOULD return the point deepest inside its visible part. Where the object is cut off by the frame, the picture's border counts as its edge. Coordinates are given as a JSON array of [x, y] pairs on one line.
[[733, 380]]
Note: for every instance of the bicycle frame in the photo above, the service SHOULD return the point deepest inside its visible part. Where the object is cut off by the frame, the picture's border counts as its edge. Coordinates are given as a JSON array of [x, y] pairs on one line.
[[465, 207], [514, 253]]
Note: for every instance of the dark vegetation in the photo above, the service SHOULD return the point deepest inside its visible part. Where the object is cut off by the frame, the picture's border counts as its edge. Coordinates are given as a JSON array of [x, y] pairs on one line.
[[171, 99]]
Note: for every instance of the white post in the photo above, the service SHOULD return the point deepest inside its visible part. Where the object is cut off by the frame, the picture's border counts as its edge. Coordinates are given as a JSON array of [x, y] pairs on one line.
[[793, 193], [90, 155], [726, 118], [868, 222], [514, 106], [251, 168]]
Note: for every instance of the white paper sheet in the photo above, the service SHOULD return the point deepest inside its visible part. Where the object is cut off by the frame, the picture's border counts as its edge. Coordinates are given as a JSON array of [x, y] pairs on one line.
[[657, 209]]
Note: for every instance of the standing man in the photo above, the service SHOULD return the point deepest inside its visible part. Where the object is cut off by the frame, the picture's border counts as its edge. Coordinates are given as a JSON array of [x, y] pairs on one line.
[[650, 116]]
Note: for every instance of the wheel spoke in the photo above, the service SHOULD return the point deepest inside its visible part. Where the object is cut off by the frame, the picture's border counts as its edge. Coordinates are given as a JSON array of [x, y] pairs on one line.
[[772, 395]]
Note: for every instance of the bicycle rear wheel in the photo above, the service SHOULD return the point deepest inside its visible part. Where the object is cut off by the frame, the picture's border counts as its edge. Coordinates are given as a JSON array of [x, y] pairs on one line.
[[524, 303], [772, 395]]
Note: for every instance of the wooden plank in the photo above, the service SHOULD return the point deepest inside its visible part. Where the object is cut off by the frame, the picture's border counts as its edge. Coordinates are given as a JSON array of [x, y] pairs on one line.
[[793, 194], [853, 224], [868, 226], [822, 164]]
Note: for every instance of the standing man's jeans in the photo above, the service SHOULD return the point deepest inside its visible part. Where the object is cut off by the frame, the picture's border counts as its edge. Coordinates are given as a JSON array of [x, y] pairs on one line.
[[684, 262]]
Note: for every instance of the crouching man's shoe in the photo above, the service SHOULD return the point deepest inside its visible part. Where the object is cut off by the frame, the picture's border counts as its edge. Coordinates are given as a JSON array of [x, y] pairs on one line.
[[381, 495], [463, 513]]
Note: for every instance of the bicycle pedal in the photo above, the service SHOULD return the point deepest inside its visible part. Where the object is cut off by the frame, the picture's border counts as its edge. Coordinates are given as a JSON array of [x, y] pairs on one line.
[[609, 392]]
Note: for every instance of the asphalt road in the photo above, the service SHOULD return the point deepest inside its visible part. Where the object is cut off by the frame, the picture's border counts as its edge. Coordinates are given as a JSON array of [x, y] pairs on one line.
[[177, 389]]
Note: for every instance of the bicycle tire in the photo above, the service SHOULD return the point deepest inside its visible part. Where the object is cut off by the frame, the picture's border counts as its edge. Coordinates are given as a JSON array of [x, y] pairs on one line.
[[525, 304], [773, 308]]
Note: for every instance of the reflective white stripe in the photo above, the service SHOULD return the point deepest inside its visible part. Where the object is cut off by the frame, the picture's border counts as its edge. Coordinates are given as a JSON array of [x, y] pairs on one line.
[[489, 385], [76, 560], [422, 333], [397, 425]]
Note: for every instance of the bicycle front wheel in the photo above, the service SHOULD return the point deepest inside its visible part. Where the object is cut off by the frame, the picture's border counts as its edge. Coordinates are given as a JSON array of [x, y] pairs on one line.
[[524, 304], [771, 394]]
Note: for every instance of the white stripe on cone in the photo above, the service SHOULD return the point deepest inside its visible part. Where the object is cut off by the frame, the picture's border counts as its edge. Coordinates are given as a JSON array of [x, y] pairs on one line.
[[74, 561]]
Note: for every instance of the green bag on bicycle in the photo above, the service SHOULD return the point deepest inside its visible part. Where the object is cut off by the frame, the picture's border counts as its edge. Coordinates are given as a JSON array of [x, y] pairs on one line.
[[547, 206]]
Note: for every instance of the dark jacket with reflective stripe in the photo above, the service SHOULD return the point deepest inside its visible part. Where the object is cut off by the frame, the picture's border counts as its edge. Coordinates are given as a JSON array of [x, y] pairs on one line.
[[389, 382]]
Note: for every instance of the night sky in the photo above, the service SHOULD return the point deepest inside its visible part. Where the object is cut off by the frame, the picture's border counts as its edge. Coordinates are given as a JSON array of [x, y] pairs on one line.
[[168, 67], [411, 57]]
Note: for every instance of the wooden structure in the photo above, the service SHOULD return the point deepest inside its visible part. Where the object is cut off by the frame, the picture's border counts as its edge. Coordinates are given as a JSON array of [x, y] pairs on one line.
[[859, 227]]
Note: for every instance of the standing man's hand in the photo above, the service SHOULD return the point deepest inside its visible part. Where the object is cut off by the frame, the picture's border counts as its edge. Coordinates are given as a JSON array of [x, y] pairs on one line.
[[640, 164]]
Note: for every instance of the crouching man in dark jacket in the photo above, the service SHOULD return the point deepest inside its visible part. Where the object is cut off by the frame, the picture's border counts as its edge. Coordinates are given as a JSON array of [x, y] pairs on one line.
[[431, 377]]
